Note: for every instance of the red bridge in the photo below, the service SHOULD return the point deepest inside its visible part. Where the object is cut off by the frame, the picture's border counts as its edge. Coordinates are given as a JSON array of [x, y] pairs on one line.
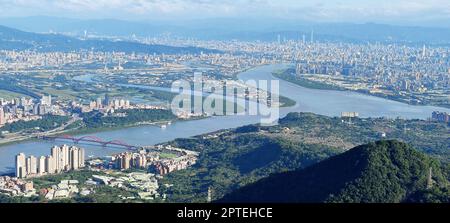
[[92, 140]]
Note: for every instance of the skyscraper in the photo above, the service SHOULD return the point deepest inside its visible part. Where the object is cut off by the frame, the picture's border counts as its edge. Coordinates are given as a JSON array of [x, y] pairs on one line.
[[61, 159], [99, 103], [55, 159], [27, 166], [81, 157], [41, 165], [20, 166], [50, 165], [33, 165], [2, 116], [74, 158], [46, 100], [65, 159], [107, 100]]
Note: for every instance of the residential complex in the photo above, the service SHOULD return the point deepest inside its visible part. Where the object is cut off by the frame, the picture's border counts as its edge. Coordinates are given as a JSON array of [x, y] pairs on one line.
[[62, 159], [26, 109], [16, 187], [441, 117]]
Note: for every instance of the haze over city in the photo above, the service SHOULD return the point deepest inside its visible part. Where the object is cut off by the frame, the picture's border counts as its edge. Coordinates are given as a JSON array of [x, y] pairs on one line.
[[224, 101]]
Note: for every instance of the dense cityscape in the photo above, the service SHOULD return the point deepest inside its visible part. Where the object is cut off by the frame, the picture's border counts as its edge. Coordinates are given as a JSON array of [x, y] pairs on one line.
[[122, 111]]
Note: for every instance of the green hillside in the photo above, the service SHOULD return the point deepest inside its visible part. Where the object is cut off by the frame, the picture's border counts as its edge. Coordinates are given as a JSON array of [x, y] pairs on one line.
[[381, 172]]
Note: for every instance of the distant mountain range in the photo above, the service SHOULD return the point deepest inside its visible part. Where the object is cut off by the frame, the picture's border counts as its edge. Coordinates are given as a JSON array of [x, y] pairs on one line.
[[13, 39], [380, 172], [227, 29]]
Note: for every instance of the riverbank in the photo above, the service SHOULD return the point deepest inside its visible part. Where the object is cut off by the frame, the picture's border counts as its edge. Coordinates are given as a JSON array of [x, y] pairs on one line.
[[84, 131], [326, 103], [303, 82]]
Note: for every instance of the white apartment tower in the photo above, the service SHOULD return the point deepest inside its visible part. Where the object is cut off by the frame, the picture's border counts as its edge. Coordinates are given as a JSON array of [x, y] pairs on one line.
[[61, 159], [2, 117], [55, 158], [33, 165], [50, 166], [81, 157], [20, 166], [74, 158], [41, 166]]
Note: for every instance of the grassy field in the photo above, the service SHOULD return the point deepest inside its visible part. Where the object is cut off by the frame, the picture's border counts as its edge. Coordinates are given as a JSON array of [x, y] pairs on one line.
[[8, 95]]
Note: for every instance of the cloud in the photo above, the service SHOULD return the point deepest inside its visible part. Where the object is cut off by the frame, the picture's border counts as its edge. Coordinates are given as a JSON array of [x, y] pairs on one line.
[[320, 10]]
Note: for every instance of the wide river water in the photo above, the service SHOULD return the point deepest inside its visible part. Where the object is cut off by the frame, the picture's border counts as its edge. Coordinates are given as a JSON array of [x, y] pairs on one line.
[[324, 102]]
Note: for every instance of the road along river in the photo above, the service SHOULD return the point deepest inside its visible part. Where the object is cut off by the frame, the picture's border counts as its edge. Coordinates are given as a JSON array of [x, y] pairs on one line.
[[324, 102]]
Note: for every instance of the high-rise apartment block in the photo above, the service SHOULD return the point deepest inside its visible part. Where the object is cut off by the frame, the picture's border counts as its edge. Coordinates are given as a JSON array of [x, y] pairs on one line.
[[62, 159], [125, 161], [2, 117]]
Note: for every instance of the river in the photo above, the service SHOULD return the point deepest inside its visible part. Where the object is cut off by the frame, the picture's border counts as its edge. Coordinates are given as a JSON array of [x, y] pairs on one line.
[[324, 102]]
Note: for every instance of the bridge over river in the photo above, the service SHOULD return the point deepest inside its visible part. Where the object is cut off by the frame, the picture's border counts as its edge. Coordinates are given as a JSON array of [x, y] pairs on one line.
[[92, 140]]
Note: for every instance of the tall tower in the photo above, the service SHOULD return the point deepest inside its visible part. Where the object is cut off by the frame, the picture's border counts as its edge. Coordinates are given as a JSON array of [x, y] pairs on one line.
[[56, 159], [81, 157], [107, 100], [74, 158], [41, 165], [20, 166], [50, 166], [312, 36], [33, 165], [2, 117]]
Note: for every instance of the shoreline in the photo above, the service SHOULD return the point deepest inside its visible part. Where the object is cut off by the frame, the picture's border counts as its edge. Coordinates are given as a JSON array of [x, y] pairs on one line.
[[95, 130], [336, 88], [84, 131]]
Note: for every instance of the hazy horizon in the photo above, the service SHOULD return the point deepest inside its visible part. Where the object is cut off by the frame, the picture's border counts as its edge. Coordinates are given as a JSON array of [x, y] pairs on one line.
[[434, 13]]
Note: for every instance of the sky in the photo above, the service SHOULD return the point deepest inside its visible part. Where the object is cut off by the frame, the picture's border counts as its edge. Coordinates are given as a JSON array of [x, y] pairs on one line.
[[385, 11]]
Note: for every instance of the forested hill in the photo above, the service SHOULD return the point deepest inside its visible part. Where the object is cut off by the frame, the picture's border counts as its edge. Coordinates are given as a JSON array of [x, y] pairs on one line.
[[384, 171], [13, 39]]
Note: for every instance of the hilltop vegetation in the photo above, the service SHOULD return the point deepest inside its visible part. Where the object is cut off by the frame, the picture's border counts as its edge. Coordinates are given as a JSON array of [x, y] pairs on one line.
[[231, 159], [46, 123], [381, 172]]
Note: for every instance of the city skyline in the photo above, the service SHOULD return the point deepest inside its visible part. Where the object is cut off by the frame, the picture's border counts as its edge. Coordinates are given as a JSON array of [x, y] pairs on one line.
[[225, 101]]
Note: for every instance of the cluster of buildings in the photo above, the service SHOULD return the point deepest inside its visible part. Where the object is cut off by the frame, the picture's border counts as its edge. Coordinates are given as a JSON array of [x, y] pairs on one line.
[[105, 105], [128, 160], [161, 160], [62, 159], [65, 189], [399, 66], [116, 61], [25, 60], [440, 117], [146, 184], [13, 186], [411, 71], [378, 68], [166, 166], [110, 105], [25, 109], [152, 161]]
